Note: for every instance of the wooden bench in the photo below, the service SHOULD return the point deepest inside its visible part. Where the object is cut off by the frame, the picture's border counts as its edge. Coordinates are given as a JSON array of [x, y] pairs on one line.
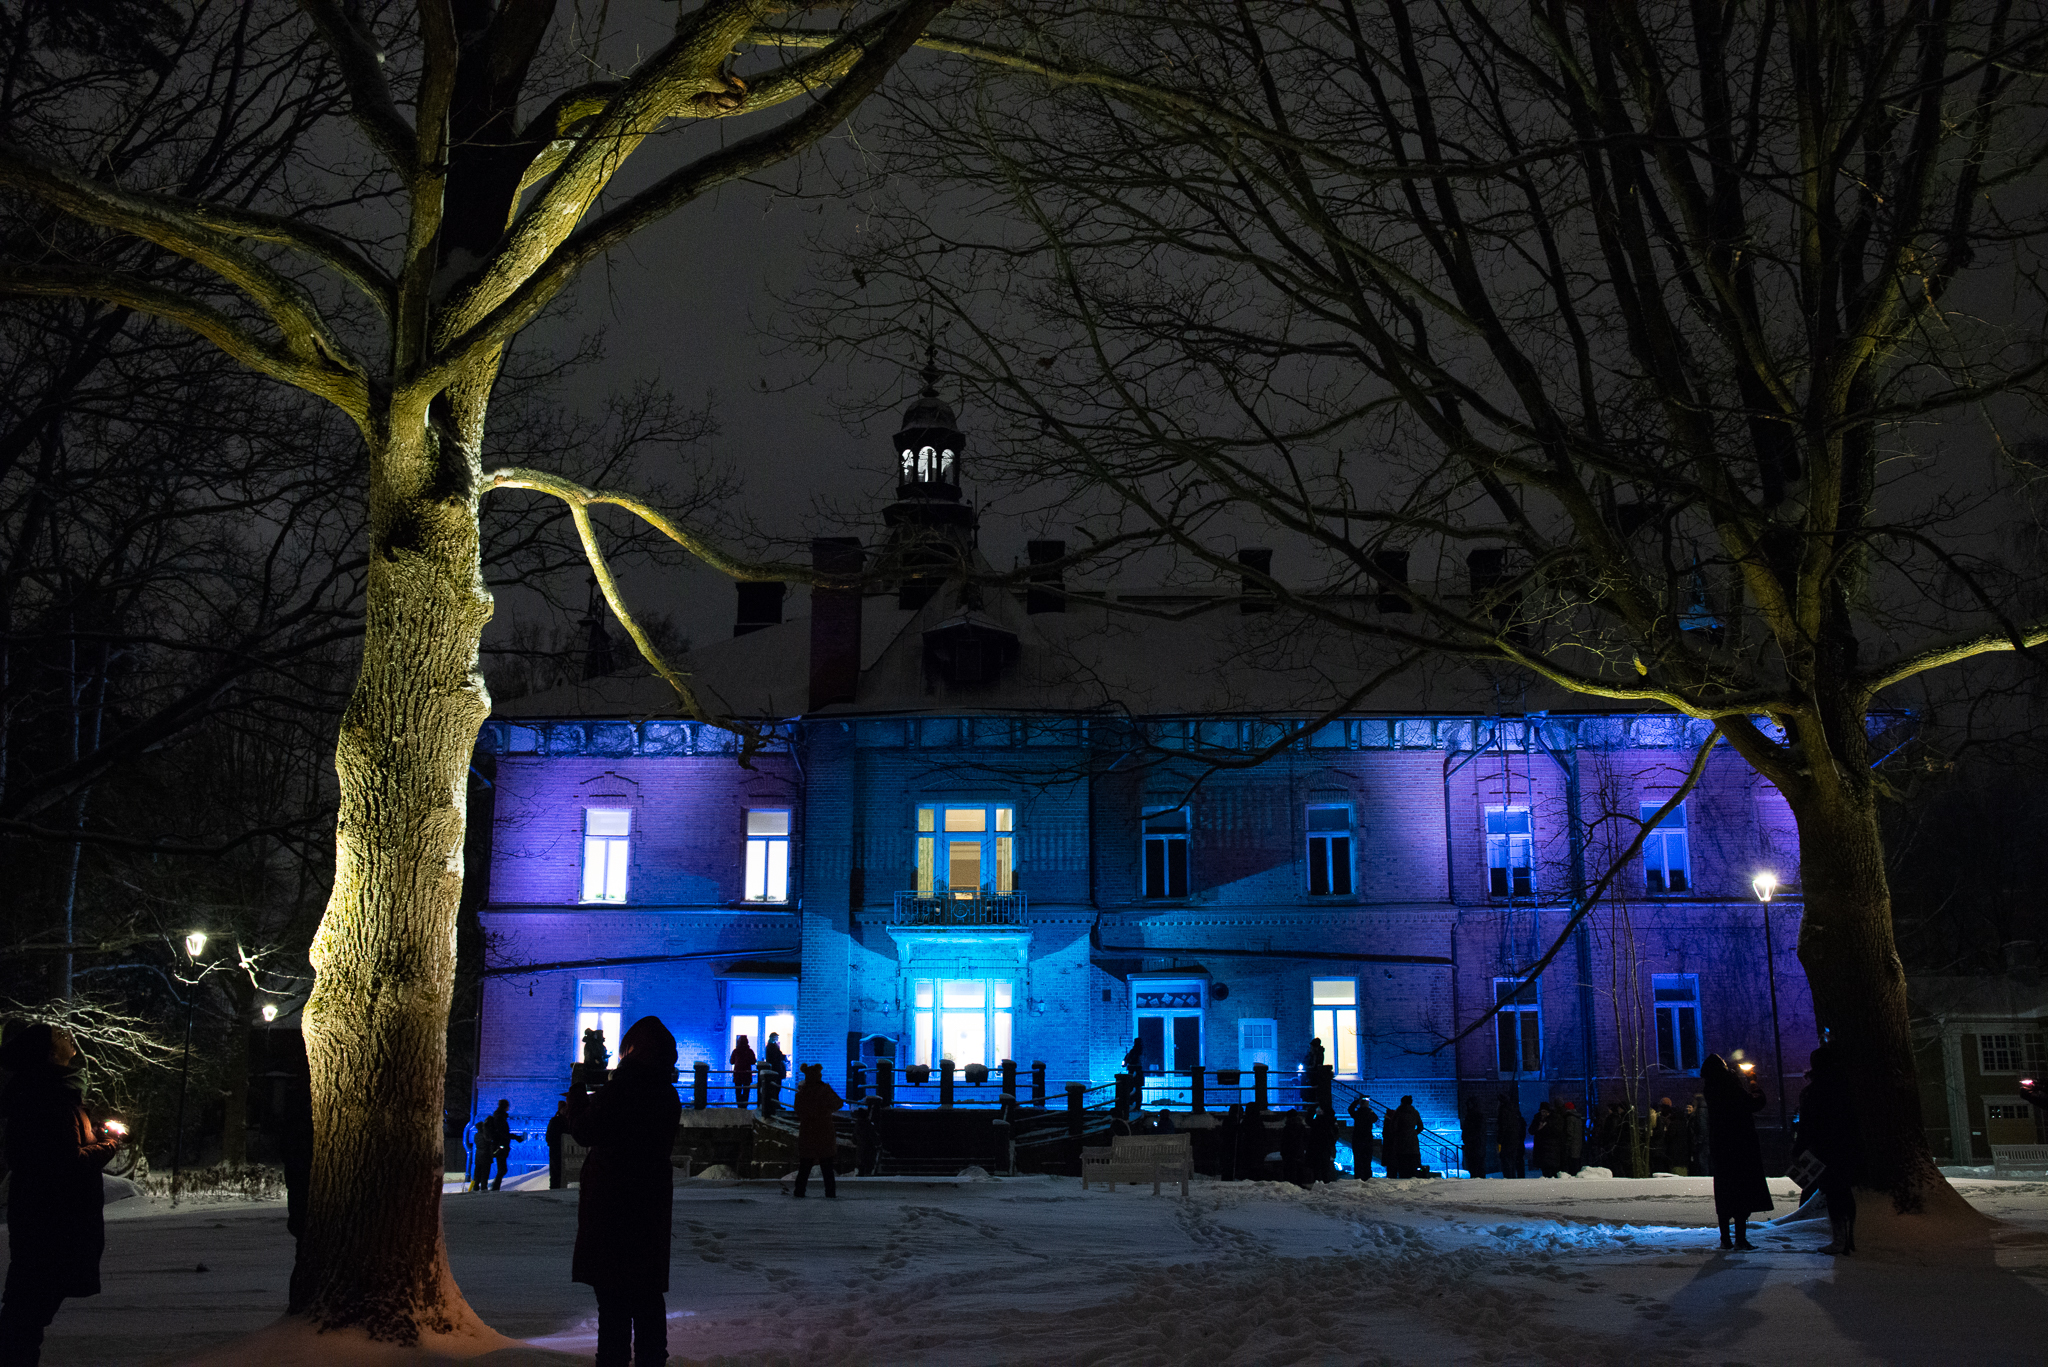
[[2008, 1159], [1153, 1158]]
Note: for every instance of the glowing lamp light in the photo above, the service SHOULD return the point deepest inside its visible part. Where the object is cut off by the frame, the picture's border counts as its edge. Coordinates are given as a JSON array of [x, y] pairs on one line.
[[195, 943], [1765, 884], [269, 1012]]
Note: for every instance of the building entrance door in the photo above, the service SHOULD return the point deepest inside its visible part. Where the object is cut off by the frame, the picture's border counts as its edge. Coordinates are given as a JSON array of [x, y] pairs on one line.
[[1169, 1031]]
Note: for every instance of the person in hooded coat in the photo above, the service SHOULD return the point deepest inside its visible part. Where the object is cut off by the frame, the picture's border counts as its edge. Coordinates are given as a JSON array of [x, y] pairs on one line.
[[1296, 1165], [55, 1230], [1322, 1130], [867, 1137], [295, 1147], [1227, 1133], [1254, 1142], [1544, 1143], [774, 1068], [624, 1209], [1509, 1127], [817, 1138], [1363, 1118], [1828, 1130], [1472, 1136], [1401, 1140], [1739, 1187], [1571, 1138], [742, 1060]]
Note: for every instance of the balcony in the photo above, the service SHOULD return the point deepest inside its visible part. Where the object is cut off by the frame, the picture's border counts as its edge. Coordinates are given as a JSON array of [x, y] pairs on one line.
[[966, 910]]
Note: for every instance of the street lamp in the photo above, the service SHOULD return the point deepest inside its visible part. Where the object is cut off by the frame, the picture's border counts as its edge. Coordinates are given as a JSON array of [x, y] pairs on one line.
[[269, 1012], [1764, 884], [195, 945]]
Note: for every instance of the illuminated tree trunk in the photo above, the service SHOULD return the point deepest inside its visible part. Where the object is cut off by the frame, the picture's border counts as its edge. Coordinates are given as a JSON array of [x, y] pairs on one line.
[[1859, 992], [376, 1025]]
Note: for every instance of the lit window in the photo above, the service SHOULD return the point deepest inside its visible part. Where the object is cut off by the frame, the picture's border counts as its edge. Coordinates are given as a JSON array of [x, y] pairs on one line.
[[597, 1008], [964, 850], [2009, 1053], [768, 855], [1510, 852], [1518, 1029], [606, 835], [1678, 1021], [1166, 853], [1667, 861], [1334, 1021], [1329, 851], [967, 1020]]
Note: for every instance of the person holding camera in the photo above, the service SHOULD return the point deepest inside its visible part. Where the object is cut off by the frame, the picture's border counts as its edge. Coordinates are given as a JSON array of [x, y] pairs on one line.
[[55, 1229], [1739, 1188]]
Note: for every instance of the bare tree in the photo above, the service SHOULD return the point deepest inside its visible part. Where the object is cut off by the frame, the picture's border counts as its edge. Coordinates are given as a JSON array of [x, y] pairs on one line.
[[1653, 352], [389, 283]]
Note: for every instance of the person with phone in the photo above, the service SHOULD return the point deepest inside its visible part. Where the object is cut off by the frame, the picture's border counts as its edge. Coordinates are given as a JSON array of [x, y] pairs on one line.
[[1733, 1099], [55, 1230]]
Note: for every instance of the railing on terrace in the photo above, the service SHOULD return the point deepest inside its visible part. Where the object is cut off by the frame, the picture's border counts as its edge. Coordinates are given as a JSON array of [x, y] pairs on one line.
[[949, 909], [1090, 1104]]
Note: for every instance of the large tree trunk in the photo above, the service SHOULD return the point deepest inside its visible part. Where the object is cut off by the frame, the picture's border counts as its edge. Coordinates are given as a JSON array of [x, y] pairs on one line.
[[376, 1024], [1859, 991]]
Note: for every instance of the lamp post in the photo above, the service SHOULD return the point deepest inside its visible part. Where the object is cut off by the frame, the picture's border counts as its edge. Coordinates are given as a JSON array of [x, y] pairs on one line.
[[195, 945], [1765, 884]]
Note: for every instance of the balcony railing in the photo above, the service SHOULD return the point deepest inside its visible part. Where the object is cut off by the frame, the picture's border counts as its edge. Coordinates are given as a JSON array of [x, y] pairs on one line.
[[948, 909]]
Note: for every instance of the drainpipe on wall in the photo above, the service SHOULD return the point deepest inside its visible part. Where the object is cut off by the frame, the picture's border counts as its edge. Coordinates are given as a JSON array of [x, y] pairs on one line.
[[1582, 938]]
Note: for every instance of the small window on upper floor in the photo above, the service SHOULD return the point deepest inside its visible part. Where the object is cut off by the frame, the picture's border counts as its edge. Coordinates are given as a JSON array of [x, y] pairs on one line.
[[607, 834], [1166, 853], [1667, 859], [1510, 852], [768, 854], [1329, 850], [2012, 1053]]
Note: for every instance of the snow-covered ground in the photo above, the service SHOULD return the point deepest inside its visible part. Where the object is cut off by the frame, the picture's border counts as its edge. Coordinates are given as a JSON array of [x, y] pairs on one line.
[[1035, 1270]]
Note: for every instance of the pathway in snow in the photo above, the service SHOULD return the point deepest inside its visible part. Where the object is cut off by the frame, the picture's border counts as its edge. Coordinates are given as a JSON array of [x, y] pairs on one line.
[[1034, 1270]]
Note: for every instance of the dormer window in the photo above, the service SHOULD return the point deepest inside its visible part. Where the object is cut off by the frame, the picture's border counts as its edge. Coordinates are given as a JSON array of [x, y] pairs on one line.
[[969, 649]]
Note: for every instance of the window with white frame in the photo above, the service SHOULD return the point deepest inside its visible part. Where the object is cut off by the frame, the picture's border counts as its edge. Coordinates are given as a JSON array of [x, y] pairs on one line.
[[1510, 852], [967, 1020], [1333, 1006], [768, 854], [1677, 1004], [1329, 850], [1667, 859], [1166, 853], [598, 1001], [1518, 1029], [2011, 1053], [966, 848], [607, 834]]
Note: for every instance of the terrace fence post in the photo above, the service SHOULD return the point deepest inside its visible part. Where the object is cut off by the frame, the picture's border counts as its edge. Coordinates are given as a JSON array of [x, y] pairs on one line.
[[1260, 1092], [1009, 1077], [945, 1084], [856, 1082], [885, 1080], [1038, 1085], [1198, 1091], [1075, 1090], [700, 1085]]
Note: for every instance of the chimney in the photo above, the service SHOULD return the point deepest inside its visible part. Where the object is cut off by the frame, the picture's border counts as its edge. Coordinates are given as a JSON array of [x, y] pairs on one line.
[[835, 623], [1393, 568], [760, 605], [1044, 588], [1255, 597]]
